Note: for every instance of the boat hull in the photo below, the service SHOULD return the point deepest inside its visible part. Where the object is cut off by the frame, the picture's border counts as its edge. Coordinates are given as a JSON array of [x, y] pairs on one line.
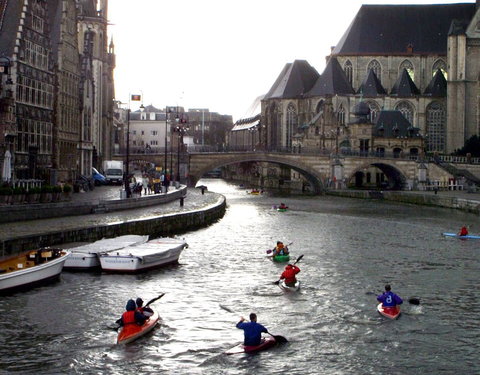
[[28, 277], [281, 258], [389, 312], [267, 343], [290, 288], [468, 236], [140, 258], [131, 332]]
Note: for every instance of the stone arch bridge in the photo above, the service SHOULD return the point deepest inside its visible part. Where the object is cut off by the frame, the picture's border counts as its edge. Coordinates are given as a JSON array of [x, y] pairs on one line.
[[317, 169]]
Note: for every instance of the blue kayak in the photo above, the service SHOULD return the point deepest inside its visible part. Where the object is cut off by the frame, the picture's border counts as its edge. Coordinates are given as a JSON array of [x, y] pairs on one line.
[[469, 236]]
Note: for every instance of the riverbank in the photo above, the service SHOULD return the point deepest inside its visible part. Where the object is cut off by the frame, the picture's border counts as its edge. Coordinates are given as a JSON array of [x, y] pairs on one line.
[[194, 210], [456, 199]]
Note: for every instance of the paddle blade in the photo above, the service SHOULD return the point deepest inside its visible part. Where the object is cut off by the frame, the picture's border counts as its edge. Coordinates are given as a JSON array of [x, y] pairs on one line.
[[298, 259], [269, 251], [414, 301], [279, 339], [154, 299], [276, 282]]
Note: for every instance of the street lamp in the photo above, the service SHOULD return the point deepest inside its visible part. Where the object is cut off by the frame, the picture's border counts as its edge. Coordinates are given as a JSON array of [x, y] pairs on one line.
[[181, 130], [128, 191]]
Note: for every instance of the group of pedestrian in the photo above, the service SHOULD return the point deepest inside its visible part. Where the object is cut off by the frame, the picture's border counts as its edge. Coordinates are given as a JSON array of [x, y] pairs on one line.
[[152, 183]]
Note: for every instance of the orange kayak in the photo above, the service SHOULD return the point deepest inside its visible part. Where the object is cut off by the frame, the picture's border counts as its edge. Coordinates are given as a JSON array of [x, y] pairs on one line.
[[132, 332], [389, 312]]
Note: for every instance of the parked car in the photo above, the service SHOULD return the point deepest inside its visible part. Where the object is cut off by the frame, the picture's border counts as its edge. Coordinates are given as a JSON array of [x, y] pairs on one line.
[[98, 178]]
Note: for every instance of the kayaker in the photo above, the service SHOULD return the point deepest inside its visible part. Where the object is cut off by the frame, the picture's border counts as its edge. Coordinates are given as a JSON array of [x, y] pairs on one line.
[[131, 316], [282, 206], [388, 298], [252, 330], [289, 274], [463, 231], [145, 310], [280, 249]]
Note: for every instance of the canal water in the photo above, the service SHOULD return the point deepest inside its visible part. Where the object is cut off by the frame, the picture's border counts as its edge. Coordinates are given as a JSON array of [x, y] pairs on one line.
[[351, 249]]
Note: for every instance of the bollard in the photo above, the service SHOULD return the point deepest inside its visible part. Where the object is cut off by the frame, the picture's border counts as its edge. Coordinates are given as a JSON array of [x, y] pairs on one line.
[[181, 202], [203, 190]]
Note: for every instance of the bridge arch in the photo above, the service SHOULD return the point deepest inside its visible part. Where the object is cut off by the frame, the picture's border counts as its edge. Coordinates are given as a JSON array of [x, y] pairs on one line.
[[394, 174], [210, 162]]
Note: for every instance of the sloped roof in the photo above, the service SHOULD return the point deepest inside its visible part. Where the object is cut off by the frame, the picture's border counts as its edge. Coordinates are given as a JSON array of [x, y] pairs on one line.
[[392, 124], [371, 86], [389, 29], [9, 21], [437, 86], [404, 86], [333, 81], [294, 81]]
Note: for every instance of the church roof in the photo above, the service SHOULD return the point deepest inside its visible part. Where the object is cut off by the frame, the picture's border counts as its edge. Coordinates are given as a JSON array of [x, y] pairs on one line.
[[389, 29], [404, 86], [333, 81], [437, 86], [88, 8], [371, 86], [294, 81], [392, 124]]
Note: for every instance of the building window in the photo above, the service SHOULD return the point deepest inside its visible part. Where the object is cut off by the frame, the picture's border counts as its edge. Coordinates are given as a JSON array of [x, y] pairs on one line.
[[440, 64], [408, 66], [348, 68], [374, 110], [153, 143], [341, 115], [376, 67], [407, 111], [154, 132], [292, 122], [436, 118]]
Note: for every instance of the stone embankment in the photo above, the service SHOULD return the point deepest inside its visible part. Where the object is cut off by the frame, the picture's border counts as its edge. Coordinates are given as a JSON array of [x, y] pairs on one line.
[[448, 199], [182, 213]]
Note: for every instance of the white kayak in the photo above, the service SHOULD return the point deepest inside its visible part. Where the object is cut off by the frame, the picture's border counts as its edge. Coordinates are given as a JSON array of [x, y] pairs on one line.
[[289, 288]]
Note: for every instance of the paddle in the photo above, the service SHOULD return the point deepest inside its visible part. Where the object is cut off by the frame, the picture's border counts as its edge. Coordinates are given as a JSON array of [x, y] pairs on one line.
[[148, 303], [414, 301], [269, 251], [279, 339], [298, 260]]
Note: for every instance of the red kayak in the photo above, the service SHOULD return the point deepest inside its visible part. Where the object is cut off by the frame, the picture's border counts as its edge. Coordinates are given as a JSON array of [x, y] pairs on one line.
[[389, 312], [131, 332], [267, 342]]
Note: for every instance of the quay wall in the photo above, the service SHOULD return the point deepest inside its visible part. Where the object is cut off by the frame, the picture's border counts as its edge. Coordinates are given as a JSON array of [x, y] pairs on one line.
[[159, 226], [28, 211], [472, 206]]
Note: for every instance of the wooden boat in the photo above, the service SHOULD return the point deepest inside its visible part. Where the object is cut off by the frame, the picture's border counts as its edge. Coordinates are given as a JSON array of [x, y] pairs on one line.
[[86, 257], [287, 288], [131, 332], [267, 342], [26, 270], [468, 236], [389, 312], [141, 257]]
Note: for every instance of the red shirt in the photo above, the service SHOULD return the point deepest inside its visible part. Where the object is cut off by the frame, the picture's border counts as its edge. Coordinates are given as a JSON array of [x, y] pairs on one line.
[[289, 274]]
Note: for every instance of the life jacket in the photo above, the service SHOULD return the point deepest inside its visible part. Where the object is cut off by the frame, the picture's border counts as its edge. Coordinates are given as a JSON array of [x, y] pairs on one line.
[[128, 317], [463, 231], [279, 250], [289, 274]]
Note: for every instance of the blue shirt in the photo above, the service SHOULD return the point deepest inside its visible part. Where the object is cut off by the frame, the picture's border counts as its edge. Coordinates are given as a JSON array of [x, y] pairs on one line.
[[389, 299], [253, 332]]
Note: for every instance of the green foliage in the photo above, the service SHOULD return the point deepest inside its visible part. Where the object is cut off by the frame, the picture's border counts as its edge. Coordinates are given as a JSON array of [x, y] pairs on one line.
[[34, 190], [67, 188], [6, 190], [18, 190], [57, 189], [47, 189], [472, 147]]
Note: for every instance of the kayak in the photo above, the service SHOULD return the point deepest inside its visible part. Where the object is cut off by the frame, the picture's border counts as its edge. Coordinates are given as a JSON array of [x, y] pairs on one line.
[[267, 342], [281, 258], [281, 209], [470, 236], [132, 332], [290, 288], [389, 312]]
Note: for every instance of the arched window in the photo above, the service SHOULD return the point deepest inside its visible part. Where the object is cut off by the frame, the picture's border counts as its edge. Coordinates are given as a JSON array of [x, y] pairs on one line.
[[376, 67], [341, 115], [436, 120], [292, 123], [407, 111], [374, 110], [408, 66], [348, 68], [320, 106], [440, 64]]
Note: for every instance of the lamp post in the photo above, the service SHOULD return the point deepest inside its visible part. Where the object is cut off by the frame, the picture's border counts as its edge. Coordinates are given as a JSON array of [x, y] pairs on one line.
[[127, 161], [165, 156], [181, 130]]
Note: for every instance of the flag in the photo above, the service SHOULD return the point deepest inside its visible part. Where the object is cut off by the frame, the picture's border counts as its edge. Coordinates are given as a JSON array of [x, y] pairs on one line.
[[136, 98]]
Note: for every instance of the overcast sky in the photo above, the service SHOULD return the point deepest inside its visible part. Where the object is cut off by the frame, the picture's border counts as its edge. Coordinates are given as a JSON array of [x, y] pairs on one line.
[[221, 54]]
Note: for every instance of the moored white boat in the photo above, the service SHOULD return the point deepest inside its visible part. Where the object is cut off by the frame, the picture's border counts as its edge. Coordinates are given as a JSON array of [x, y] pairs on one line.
[[86, 257], [152, 254], [26, 270]]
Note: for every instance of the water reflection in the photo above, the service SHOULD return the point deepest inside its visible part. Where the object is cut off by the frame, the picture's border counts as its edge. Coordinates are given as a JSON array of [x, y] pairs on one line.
[[351, 248]]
